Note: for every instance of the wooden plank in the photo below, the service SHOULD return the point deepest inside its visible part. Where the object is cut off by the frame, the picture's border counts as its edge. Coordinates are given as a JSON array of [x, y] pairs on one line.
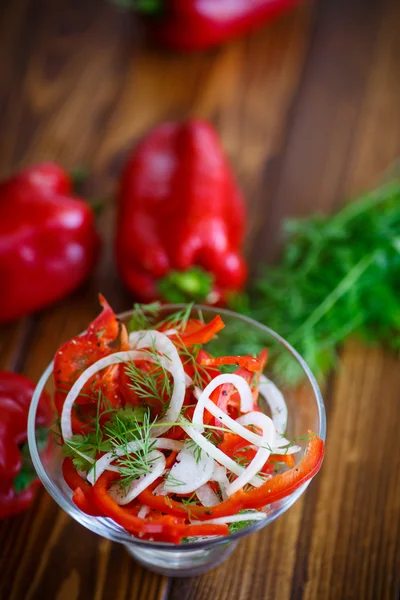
[[308, 173], [335, 534]]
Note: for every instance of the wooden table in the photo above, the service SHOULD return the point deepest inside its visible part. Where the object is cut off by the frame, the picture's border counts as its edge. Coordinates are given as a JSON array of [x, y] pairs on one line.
[[309, 112]]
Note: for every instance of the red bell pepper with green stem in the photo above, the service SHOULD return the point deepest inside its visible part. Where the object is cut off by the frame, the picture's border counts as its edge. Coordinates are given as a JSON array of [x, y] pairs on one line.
[[18, 479], [200, 24], [181, 217], [48, 241]]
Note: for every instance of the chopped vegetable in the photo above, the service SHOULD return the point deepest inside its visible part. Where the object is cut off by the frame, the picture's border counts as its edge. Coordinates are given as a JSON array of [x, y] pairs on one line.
[[160, 453]]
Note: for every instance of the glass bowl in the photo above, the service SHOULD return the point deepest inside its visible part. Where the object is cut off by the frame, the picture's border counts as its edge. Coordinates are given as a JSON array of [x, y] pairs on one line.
[[306, 412]]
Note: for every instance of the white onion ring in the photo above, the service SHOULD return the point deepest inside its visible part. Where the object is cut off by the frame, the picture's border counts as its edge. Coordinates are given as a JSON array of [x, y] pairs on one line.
[[143, 511], [251, 516], [157, 467], [207, 496], [163, 345], [246, 397], [105, 461], [191, 472], [106, 361], [276, 403], [221, 478], [268, 437], [216, 453], [235, 426]]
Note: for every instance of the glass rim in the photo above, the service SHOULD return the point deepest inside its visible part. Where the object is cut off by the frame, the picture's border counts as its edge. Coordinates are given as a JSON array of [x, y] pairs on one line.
[[97, 524]]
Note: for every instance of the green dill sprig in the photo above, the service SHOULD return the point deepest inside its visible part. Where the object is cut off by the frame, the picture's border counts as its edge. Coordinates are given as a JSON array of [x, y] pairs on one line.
[[123, 429], [338, 275], [153, 387]]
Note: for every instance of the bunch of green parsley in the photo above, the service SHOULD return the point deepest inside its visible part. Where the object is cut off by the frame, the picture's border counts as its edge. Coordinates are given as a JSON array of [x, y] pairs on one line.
[[338, 276]]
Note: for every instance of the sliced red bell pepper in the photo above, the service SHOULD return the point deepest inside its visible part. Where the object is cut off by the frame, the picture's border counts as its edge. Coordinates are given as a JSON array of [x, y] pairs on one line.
[[203, 334], [105, 335], [276, 488], [248, 362], [48, 241], [83, 496], [170, 528]]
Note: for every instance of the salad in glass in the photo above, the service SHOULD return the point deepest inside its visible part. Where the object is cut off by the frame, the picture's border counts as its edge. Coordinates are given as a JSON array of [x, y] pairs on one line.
[[175, 444]]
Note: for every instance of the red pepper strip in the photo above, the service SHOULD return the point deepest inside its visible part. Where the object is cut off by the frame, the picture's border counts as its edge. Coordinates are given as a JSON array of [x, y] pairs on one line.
[[204, 334], [288, 459], [171, 459], [171, 528], [274, 489], [84, 498], [248, 362], [103, 336], [81, 501]]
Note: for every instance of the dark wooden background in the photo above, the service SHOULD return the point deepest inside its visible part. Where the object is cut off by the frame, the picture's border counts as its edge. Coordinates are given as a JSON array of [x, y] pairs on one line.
[[309, 112]]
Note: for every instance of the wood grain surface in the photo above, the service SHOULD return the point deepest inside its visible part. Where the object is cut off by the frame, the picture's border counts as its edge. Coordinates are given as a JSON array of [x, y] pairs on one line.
[[308, 109]]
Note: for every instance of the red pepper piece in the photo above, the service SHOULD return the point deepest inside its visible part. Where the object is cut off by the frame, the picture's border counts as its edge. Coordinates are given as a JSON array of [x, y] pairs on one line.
[[165, 527], [103, 336], [199, 24], [276, 488], [180, 209], [203, 334], [248, 362], [18, 480], [48, 241], [83, 496]]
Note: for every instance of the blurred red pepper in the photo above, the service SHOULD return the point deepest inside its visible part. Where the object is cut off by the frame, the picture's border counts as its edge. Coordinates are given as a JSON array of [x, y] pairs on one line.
[[48, 242], [199, 24], [18, 480], [181, 217]]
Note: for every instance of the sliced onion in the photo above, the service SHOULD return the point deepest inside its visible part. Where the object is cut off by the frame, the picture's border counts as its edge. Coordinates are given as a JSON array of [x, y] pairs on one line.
[[105, 461], [246, 397], [282, 446], [170, 332], [268, 438], [163, 345], [207, 496], [157, 467], [276, 403], [143, 511], [221, 477], [216, 453], [189, 472], [235, 426], [248, 516], [112, 359], [159, 490]]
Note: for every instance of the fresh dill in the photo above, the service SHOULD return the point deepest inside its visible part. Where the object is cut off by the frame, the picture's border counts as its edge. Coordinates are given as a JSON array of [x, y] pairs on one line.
[[177, 320], [121, 431], [238, 525], [173, 481], [201, 375], [153, 387], [144, 316], [196, 449], [357, 294]]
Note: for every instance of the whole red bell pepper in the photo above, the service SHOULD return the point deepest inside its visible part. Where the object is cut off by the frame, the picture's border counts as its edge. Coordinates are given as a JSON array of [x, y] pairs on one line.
[[181, 217], [199, 24], [48, 241], [18, 480]]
